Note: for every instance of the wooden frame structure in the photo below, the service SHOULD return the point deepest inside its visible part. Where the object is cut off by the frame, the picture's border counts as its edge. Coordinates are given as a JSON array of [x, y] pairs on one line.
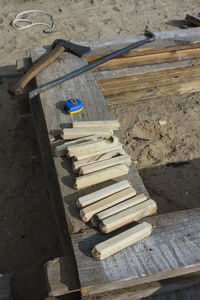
[[170, 258]]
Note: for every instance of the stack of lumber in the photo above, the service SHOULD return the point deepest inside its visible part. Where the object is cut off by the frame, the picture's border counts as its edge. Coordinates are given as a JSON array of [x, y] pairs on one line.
[[98, 156]]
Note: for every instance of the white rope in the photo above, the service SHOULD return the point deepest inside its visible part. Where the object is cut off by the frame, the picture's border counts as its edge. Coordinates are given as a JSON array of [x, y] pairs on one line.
[[19, 19]]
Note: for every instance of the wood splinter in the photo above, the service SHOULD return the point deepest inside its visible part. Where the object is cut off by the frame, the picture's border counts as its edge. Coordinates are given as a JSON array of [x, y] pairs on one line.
[[102, 193], [122, 240], [75, 133], [100, 176], [88, 212], [111, 124], [129, 215]]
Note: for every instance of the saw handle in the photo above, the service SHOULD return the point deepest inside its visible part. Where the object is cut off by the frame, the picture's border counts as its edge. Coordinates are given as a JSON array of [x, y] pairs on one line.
[[18, 87]]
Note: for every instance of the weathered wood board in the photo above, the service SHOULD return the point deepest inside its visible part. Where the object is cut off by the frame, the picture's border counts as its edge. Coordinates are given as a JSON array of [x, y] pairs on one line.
[[83, 87], [172, 250], [5, 287], [61, 276]]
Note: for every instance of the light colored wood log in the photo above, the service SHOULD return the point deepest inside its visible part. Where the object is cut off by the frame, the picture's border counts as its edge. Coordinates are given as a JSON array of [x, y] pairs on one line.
[[92, 146], [102, 193], [96, 158], [75, 133], [110, 124], [121, 206], [122, 240], [60, 150], [88, 212], [100, 176], [90, 152], [129, 215], [122, 159]]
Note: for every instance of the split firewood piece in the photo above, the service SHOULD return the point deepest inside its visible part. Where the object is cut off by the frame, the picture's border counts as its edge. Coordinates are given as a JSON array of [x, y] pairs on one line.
[[92, 146], [111, 124], [100, 176], [75, 133], [121, 206], [129, 215], [95, 158], [122, 240], [102, 193], [91, 151], [122, 159], [88, 212], [60, 150]]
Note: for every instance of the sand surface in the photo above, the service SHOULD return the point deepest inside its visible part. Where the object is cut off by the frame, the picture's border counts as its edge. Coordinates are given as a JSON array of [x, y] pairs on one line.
[[167, 156]]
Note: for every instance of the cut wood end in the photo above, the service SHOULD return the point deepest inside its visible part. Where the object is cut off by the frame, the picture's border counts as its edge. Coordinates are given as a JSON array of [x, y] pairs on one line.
[[83, 217]]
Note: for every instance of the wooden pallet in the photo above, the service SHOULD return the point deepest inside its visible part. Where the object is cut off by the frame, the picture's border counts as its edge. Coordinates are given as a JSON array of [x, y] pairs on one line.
[[170, 258]]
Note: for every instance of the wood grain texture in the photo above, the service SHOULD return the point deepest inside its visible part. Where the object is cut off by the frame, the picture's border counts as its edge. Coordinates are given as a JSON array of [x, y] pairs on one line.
[[148, 80], [102, 193], [61, 276], [149, 59], [83, 87], [180, 287], [172, 250]]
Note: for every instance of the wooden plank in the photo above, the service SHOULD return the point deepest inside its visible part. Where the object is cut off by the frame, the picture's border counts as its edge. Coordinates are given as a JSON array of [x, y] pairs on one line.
[[172, 250], [5, 287], [165, 41], [190, 293], [103, 75], [154, 92], [149, 59], [61, 276], [171, 288], [148, 80], [83, 87]]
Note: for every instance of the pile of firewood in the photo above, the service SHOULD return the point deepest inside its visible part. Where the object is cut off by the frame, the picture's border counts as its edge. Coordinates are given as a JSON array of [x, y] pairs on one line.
[[98, 156]]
